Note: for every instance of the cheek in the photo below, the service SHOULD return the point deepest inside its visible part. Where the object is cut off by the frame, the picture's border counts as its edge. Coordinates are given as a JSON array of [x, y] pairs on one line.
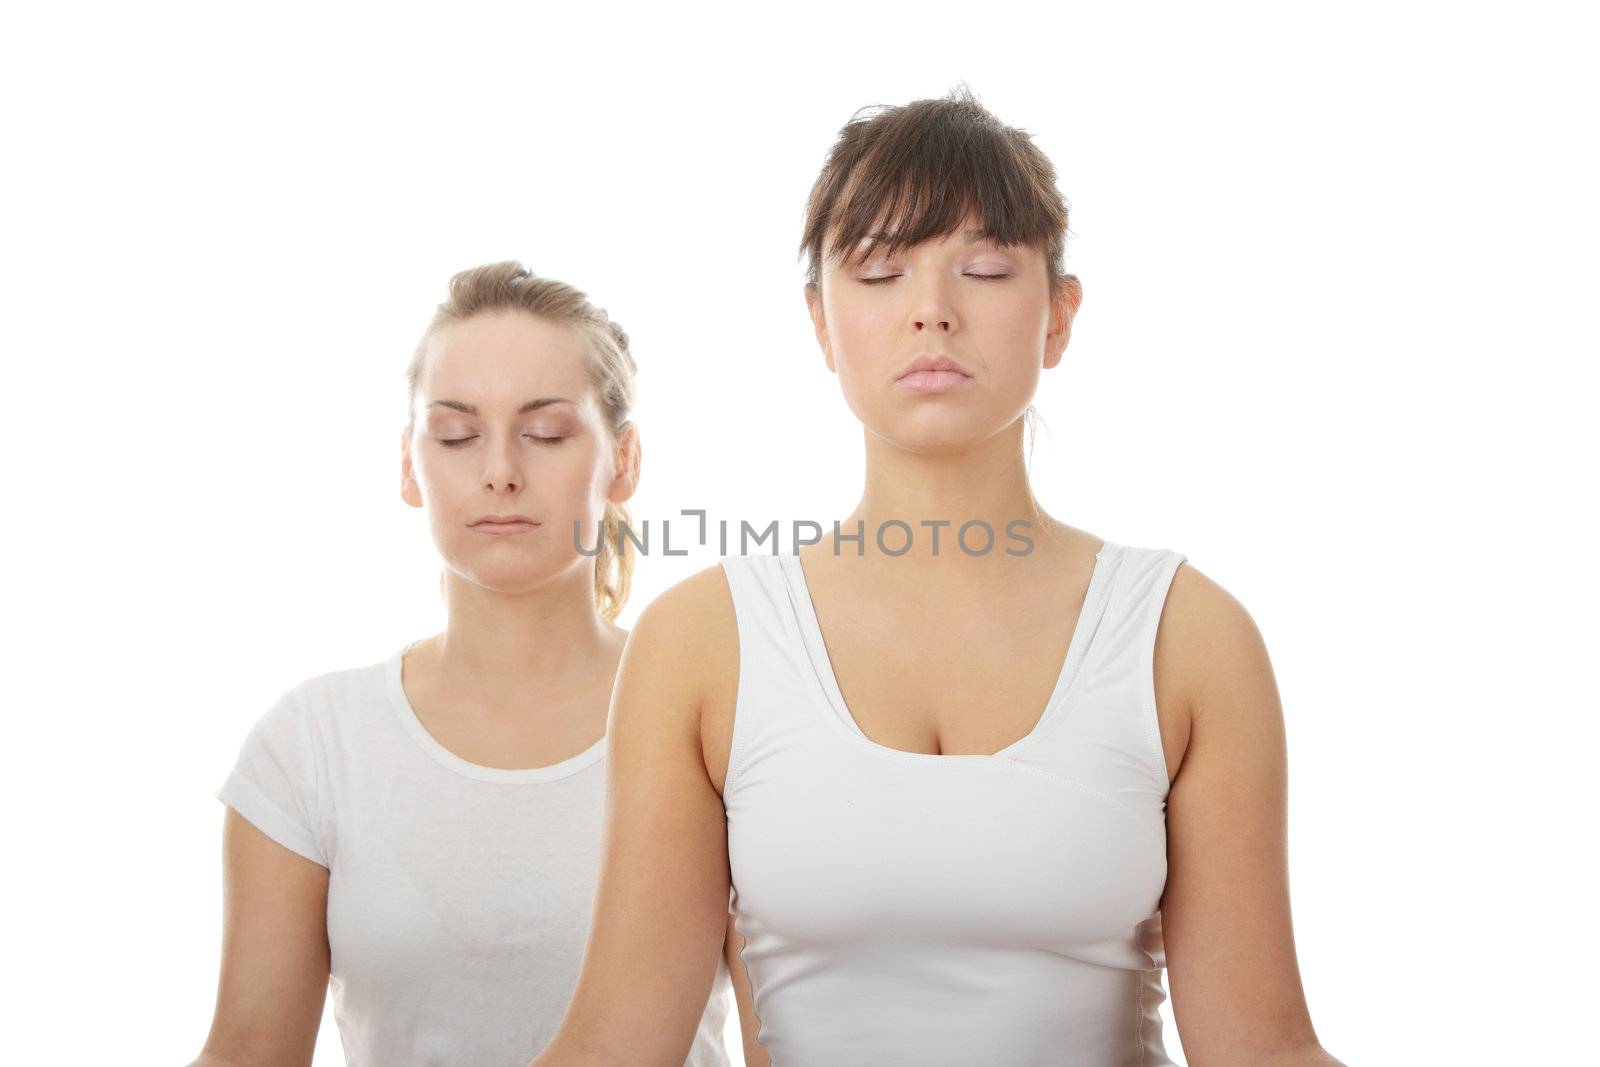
[[1014, 335], [856, 320], [864, 343], [449, 477], [575, 478], [433, 468], [858, 328]]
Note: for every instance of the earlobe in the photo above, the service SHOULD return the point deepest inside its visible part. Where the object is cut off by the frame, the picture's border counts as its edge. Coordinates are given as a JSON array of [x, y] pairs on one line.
[[623, 486], [819, 325], [1062, 309]]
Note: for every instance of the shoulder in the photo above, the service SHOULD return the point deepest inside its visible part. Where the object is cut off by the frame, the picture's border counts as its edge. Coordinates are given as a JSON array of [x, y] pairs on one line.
[[338, 687], [687, 634], [690, 618], [288, 718], [1215, 655], [323, 704], [684, 650]]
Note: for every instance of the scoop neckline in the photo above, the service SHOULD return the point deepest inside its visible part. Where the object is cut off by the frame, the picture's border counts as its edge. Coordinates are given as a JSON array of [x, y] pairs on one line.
[[844, 720], [504, 775]]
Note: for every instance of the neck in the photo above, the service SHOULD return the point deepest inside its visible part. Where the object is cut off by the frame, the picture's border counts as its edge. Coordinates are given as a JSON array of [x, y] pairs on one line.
[[500, 645], [986, 482]]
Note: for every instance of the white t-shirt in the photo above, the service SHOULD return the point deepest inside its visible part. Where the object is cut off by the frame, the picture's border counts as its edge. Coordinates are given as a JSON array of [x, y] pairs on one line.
[[459, 895]]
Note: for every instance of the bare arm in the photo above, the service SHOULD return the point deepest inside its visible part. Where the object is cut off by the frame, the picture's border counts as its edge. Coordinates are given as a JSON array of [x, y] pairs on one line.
[[1236, 989], [755, 1053], [661, 906], [274, 953]]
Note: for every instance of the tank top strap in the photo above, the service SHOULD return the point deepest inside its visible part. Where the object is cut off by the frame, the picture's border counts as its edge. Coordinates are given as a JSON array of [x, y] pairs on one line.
[[777, 692], [1138, 592], [1108, 735]]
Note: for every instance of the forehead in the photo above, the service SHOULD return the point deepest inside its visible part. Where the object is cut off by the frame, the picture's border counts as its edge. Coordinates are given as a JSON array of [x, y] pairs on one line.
[[966, 235], [886, 236], [507, 354]]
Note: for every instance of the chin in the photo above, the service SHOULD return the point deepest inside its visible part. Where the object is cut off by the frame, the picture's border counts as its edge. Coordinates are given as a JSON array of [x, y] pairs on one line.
[[508, 575], [936, 433]]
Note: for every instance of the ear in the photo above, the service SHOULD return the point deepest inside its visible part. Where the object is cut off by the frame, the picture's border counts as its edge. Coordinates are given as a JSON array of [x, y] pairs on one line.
[[1063, 306], [629, 459], [819, 325], [410, 492]]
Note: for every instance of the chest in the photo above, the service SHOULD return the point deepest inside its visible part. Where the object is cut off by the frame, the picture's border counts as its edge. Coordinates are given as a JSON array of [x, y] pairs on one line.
[[946, 680], [513, 740], [465, 878], [974, 852]]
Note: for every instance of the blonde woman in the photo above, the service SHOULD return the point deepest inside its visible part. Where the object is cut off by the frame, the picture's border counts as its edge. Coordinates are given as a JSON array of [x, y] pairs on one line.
[[973, 775], [423, 831]]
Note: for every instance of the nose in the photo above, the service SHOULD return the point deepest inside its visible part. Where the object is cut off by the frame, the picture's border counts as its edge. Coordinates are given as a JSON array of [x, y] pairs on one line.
[[500, 473], [930, 309]]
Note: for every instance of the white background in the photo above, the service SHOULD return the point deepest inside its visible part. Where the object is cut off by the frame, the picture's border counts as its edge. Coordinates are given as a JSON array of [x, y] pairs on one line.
[[1337, 347]]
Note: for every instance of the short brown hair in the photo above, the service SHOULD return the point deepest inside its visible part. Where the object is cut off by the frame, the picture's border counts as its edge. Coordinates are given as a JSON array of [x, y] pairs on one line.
[[913, 172]]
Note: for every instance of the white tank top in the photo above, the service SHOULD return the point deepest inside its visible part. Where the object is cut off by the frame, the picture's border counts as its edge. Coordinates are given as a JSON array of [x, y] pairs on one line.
[[907, 908]]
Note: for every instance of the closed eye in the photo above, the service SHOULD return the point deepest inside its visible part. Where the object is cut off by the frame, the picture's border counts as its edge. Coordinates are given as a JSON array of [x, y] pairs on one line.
[[452, 442], [892, 277]]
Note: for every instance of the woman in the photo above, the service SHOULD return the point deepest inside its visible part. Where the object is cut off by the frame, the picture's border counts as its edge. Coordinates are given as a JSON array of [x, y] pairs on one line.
[[971, 801], [424, 831]]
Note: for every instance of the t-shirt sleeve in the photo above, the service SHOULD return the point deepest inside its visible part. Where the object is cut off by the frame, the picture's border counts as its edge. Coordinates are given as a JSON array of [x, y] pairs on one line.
[[276, 784]]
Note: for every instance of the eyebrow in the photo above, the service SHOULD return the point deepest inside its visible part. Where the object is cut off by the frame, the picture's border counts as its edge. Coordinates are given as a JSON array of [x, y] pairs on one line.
[[531, 405]]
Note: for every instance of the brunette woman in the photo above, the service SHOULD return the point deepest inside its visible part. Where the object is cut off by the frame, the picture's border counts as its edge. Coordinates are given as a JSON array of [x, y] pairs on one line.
[[975, 776]]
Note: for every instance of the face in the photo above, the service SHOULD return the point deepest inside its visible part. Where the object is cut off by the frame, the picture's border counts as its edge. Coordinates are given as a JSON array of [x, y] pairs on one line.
[[506, 424], [983, 307]]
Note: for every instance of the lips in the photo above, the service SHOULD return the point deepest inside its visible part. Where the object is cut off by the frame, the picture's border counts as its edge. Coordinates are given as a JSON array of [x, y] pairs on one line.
[[933, 374], [935, 363], [502, 519], [504, 524]]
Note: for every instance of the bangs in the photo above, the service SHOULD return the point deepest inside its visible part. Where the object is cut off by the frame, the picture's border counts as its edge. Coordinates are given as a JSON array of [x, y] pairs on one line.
[[919, 172]]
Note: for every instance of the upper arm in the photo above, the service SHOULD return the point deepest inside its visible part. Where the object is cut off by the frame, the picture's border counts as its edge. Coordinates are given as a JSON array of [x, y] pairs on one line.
[[1236, 989], [661, 905], [274, 976]]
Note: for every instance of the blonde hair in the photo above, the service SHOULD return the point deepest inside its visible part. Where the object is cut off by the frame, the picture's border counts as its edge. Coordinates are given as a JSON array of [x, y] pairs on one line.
[[510, 285]]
